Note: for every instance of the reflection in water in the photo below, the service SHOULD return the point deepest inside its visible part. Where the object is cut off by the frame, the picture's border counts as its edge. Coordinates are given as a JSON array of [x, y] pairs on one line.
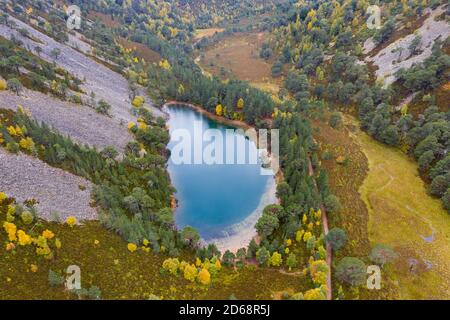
[[218, 200]]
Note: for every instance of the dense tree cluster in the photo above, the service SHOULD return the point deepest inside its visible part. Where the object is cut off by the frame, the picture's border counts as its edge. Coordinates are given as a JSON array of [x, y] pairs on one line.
[[165, 29], [427, 136], [133, 193], [323, 42]]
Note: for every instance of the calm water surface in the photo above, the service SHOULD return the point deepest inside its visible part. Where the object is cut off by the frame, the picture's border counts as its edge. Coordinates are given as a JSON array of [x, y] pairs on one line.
[[216, 198]]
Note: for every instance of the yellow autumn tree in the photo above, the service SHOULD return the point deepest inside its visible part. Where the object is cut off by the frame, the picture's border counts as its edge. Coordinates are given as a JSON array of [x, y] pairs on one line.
[[219, 110], [320, 278], [305, 218], [24, 239], [138, 101], [10, 229], [190, 272], [299, 235], [14, 131], [306, 236], [182, 266], [47, 234], [164, 64], [314, 294], [173, 32], [131, 125], [3, 85], [171, 265], [3, 197], [240, 103], [26, 143], [142, 126], [276, 260], [131, 247], [319, 270], [42, 248], [404, 110], [204, 277], [71, 221], [318, 214]]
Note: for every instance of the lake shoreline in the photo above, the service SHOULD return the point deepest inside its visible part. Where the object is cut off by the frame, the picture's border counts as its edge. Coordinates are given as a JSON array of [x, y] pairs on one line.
[[221, 120], [240, 234], [234, 123]]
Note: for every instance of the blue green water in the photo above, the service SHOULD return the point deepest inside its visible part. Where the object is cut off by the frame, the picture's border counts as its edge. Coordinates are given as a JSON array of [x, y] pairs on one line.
[[215, 198]]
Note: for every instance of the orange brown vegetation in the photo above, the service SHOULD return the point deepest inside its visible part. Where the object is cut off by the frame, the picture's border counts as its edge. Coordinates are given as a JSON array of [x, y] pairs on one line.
[[107, 20], [142, 51], [238, 55], [206, 33], [345, 179]]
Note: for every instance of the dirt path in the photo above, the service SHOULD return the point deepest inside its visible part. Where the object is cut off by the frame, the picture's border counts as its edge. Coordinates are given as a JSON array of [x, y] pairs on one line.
[[325, 231], [404, 216], [24, 177], [292, 274]]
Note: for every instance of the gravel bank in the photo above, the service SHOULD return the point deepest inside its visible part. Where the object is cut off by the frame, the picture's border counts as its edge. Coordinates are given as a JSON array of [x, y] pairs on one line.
[[81, 123], [107, 84], [24, 177], [396, 55]]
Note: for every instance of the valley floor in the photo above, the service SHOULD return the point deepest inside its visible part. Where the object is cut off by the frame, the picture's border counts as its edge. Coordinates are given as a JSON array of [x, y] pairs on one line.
[[404, 216], [383, 197], [392, 207]]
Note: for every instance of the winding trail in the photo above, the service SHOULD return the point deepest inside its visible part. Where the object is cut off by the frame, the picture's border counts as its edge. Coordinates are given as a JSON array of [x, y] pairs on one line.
[[407, 207], [403, 215], [329, 258]]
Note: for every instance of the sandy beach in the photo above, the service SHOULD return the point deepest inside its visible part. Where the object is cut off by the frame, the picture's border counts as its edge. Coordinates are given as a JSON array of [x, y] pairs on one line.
[[240, 234]]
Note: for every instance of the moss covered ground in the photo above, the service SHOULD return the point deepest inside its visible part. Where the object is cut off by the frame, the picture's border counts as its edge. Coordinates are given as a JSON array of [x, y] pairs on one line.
[[106, 262]]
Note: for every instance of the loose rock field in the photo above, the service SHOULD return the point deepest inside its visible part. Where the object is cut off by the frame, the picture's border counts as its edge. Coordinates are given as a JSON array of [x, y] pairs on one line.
[[24, 177], [81, 123]]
